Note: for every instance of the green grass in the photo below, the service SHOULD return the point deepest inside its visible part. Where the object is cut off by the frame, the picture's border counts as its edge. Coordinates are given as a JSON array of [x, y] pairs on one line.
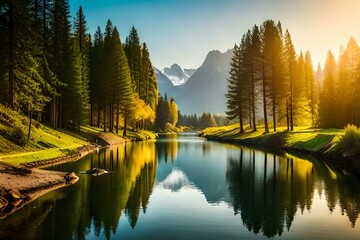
[[303, 138], [45, 142]]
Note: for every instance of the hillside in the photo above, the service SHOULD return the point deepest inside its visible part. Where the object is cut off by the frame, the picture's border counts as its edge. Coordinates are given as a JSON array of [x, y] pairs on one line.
[[48, 143]]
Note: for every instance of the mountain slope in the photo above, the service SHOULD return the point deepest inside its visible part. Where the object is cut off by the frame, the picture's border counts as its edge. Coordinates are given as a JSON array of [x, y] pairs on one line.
[[205, 90], [164, 83]]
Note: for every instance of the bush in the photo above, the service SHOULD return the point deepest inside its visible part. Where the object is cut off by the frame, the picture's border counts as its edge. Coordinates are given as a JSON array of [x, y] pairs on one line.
[[19, 135], [350, 141]]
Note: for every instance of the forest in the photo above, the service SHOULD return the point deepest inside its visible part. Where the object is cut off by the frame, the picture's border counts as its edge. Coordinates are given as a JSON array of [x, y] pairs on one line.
[[270, 84], [55, 72]]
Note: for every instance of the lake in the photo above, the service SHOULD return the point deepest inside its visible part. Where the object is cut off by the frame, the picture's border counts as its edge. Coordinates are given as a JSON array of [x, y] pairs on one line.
[[184, 187]]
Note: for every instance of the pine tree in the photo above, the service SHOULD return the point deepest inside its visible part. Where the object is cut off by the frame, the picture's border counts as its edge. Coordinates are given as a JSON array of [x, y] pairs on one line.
[[327, 96], [301, 109], [96, 74], [274, 66], [25, 82], [121, 83], [108, 58], [71, 111], [81, 51], [236, 95], [290, 57], [148, 88], [133, 54], [310, 87], [255, 68]]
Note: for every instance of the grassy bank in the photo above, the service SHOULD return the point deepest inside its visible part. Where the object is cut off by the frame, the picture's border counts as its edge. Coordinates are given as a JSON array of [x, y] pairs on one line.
[[320, 141], [48, 143]]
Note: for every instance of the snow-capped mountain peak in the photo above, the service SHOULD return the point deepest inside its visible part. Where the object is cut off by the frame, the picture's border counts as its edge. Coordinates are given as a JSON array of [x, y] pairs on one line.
[[177, 74]]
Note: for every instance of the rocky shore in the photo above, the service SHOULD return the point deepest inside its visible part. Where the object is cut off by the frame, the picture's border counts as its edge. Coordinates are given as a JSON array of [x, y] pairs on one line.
[[20, 185]]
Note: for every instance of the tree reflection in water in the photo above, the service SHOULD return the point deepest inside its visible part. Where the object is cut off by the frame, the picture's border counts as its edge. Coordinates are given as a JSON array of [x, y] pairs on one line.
[[97, 202], [268, 190]]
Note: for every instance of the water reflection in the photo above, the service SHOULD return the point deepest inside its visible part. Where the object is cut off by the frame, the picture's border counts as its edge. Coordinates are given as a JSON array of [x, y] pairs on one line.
[[268, 190], [187, 187], [93, 206]]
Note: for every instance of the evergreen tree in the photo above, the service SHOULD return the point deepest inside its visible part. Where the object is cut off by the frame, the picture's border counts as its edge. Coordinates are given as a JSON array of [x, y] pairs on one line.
[[255, 68], [81, 51], [148, 88], [69, 108], [310, 87], [290, 57], [207, 120], [108, 58], [96, 75], [301, 107], [133, 54], [238, 85], [25, 82], [274, 67], [121, 82], [327, 96], [162, 113]]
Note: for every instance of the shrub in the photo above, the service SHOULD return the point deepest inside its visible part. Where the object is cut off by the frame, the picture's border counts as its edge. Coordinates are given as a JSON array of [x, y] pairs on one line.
[[19, 135], [350, 141]]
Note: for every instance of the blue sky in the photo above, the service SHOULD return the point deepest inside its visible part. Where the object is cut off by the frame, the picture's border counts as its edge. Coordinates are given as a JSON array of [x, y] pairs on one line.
[[184, 31]]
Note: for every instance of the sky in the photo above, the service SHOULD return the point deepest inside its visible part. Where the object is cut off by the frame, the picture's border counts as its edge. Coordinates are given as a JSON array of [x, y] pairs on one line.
[[184, 31]]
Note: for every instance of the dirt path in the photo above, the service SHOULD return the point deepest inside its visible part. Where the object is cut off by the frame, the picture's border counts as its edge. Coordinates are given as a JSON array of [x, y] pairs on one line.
[[20, 185]]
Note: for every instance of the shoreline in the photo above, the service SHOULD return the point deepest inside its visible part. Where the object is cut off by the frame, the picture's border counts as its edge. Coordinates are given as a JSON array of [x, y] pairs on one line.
[[351, 164], [20, 185], [24, 183]]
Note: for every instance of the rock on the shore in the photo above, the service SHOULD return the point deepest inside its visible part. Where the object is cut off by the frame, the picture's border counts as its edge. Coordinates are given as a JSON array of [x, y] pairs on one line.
[[71, 178]]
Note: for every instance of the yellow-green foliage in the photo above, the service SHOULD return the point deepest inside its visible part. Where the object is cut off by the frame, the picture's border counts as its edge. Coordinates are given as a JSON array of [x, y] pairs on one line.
[[302, 138], [141, 135], [350, 141]]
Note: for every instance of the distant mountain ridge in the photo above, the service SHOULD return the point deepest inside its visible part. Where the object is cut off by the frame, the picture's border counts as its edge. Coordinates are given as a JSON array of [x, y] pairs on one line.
[[205, 89], [178, 75]]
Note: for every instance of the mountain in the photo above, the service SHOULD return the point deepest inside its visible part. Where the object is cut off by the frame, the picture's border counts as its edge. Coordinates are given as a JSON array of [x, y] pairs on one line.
[[189, 71], [164, 83], [177, 75], [205, 90]]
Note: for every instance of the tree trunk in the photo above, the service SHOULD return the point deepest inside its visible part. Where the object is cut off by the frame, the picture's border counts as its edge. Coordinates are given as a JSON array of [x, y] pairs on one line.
[[241, 119], [250, 120], [273, 99], [287, 116], [291, 105], [110, 117], [117, 116], [253, 101], [104, 116], [91, 114], [98, 115], [28, 136], [125, 124], [264, 98]]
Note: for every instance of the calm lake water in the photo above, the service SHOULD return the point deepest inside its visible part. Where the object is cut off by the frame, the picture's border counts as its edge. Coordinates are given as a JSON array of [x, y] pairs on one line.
[[184, 187]]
